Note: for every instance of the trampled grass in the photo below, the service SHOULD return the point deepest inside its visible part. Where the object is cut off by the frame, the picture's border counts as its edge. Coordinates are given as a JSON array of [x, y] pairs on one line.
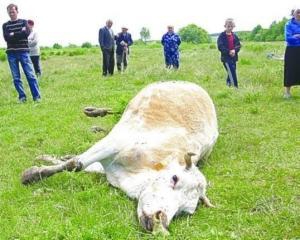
[[254, 169]]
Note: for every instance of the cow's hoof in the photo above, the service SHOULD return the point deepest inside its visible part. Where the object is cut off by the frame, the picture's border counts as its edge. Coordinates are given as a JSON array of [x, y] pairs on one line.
[[31, 175], [97, 112], [96, 129]]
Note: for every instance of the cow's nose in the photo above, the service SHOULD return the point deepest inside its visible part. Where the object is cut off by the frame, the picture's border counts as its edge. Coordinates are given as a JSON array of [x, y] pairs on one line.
[[155, 223], [147, 221]]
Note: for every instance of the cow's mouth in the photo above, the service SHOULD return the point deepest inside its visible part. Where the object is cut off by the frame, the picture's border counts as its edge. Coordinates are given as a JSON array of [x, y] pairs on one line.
[[155, 223]]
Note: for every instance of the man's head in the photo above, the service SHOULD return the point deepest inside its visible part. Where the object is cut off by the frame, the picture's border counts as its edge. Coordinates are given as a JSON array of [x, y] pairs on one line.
[[109, 23], [124, 29], [30, 24], [12, 11], [170, 29]]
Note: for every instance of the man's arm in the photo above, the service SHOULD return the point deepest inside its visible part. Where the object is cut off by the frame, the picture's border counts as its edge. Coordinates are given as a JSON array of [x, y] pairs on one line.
[[100, 37], [130, 42], [21, 34]]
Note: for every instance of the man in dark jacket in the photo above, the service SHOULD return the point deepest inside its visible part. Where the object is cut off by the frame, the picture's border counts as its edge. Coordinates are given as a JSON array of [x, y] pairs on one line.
[[123, 41], [107, 45], [229, 46], [15, 33]]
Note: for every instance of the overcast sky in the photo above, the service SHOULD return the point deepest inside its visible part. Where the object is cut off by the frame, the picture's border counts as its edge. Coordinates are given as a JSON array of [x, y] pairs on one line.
[[65, 21]]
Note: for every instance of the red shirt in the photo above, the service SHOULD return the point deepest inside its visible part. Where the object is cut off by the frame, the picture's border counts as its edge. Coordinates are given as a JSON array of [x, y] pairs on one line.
[[230, 41]]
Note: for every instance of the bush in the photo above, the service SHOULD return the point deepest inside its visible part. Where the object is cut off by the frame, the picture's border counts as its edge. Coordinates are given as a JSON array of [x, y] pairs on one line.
[[71, 45], [2, 56], [86, 45], [212, 46], [57, 46], [194, 34]]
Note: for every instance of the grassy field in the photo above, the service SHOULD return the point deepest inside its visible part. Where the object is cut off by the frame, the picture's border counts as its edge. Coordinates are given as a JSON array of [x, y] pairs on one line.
[[254, 169]]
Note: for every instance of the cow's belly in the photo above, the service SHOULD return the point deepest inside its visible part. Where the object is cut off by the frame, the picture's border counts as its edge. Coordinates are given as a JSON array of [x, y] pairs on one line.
[[155, 149]]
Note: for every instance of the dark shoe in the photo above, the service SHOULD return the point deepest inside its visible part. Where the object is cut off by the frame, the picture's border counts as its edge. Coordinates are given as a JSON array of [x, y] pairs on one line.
[[38, 100], [22, 100]]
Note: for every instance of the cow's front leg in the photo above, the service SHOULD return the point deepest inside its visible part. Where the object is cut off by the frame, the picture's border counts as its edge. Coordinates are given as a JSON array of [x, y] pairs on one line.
[[55, 160], [35, 174]]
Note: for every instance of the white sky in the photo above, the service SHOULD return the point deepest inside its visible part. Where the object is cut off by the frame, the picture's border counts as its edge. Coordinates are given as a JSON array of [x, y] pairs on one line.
[[66, 21]]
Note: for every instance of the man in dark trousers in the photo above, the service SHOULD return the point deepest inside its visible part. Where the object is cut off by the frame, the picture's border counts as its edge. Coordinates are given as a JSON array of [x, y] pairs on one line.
[[123, 41], [107, 44], [15, 33]]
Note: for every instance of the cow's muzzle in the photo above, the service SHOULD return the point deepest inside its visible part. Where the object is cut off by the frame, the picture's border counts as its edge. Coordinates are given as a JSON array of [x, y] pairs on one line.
[[155, 223]]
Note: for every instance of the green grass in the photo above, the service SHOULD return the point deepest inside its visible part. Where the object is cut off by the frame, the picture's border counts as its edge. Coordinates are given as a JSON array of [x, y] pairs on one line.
[[254, 169]]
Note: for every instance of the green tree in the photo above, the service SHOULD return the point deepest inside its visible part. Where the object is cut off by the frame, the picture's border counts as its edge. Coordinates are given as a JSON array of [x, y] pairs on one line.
[[145, 34], [194, 34], [86, 45], [274, 33], [57, 46]]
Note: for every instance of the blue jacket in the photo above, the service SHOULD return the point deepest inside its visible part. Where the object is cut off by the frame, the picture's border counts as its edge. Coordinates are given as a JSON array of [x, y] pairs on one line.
[[292, 28], [123, 37], [224, 48], [171, 42], [106, 40]]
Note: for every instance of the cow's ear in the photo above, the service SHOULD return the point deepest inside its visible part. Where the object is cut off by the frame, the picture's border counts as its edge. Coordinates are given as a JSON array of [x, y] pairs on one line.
[[188, 160]]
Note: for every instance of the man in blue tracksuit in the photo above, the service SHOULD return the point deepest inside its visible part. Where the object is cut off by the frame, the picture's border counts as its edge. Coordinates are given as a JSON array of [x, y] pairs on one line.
[[229, 46], [171, 42]]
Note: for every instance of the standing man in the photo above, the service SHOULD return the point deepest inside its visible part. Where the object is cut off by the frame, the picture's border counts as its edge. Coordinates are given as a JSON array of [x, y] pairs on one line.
[[123, 41], [171, 42], [107, 44], [15, 33]]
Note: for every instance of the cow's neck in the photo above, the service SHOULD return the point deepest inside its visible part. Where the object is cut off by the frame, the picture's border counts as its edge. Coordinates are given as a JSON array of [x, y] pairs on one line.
[[132, 183]]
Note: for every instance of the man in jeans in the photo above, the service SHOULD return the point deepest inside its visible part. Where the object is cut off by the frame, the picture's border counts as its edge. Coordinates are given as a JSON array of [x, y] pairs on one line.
[[15, 33]]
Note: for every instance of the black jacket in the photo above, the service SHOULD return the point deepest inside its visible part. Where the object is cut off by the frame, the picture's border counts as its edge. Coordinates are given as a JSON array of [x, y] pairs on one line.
[[224, 49]]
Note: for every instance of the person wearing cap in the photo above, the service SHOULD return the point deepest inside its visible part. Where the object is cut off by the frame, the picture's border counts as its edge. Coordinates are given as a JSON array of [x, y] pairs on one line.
[[123, 41], [34, 49], [292, 52], [171, 42], [107, 45], [15, 33]]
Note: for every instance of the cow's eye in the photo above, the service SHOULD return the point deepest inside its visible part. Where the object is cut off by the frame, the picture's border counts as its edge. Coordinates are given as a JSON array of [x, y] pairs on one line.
[[175, 179]]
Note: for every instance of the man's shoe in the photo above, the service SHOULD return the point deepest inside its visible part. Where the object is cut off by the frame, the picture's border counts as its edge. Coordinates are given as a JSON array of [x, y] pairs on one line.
[[22, 100], [38, 100]]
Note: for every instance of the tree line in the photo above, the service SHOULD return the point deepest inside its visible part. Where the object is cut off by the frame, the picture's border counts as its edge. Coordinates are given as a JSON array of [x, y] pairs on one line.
[[195, 34], [274, 33]]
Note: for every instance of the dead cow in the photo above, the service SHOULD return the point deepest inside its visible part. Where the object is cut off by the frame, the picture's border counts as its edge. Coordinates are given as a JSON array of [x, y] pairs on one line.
[[152, 152]]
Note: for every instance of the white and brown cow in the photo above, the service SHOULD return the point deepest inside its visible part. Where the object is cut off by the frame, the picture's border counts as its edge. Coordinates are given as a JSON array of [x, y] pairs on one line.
[[152, 152]]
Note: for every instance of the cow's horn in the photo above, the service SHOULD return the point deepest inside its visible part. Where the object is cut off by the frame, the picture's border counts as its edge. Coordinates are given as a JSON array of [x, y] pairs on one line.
[[188, 160]]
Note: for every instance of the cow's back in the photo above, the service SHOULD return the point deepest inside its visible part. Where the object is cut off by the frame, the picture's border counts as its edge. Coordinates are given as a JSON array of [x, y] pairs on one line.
[[173, 103]]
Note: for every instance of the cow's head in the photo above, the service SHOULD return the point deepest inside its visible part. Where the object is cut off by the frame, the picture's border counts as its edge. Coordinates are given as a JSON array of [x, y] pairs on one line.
[[176, 189]]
